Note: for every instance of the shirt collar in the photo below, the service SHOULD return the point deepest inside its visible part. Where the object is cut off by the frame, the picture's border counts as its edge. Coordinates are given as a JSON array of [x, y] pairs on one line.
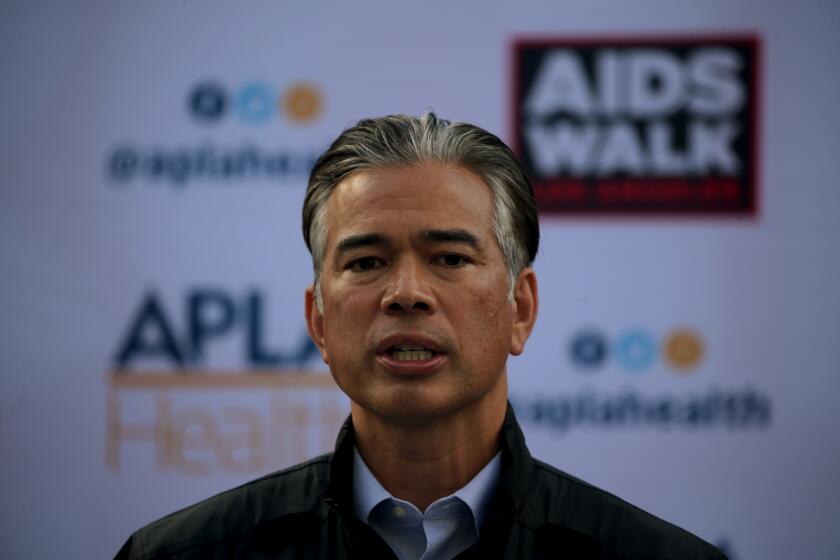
[[477, 493], [367, 491]]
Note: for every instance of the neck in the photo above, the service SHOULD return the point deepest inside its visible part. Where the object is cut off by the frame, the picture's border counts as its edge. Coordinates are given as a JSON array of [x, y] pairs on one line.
[[421, 462]]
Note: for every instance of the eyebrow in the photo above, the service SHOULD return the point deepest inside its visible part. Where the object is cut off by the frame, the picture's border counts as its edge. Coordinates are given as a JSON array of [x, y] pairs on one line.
[[357, 241], [450, 236]]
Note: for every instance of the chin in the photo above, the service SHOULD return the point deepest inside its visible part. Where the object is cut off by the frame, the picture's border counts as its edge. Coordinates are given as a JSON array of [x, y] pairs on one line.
[[414, 404]]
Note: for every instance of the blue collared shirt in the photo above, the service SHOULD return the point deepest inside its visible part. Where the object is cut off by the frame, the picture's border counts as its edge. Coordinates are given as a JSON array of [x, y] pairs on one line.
[[449, 525]]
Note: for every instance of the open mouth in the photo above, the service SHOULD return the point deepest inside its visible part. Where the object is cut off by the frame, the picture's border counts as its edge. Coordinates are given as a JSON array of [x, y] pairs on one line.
[[410, 353]]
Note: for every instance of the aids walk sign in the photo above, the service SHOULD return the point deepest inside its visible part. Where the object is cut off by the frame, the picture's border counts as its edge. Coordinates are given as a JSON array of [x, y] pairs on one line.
[[639, 126]]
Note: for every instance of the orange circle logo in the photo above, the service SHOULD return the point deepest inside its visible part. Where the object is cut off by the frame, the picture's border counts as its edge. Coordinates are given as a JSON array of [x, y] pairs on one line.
[[302, 103], [684, 349]]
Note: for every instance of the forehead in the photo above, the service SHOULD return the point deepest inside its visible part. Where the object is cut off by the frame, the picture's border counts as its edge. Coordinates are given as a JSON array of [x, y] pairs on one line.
[[414, 198]]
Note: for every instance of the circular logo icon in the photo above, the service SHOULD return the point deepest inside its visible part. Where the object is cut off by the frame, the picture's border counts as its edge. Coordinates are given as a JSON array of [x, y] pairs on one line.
[[636, 350], [255, 103], [302, 103], [684, 349], [208, 102], [122, 164], [588, 349]]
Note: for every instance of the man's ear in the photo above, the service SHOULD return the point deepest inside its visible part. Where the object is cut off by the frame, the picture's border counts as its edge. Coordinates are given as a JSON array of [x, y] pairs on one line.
[[525, 303], [315, 322]]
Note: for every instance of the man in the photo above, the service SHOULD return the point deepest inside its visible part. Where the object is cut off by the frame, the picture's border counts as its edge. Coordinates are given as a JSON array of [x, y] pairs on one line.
[[422, 234]]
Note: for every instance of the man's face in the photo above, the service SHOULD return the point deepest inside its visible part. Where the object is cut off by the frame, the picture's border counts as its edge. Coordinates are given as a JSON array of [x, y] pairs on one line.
[[416, 317]]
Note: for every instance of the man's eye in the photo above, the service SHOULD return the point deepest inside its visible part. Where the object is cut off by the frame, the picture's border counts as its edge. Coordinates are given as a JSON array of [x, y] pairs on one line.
[[451, 260], [364, 264]]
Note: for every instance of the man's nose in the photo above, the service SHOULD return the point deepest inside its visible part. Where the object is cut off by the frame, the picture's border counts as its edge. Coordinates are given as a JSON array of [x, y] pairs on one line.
[[408, 289]]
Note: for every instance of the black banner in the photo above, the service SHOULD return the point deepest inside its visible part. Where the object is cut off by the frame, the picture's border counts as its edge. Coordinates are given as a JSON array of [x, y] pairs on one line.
[[659, 126]]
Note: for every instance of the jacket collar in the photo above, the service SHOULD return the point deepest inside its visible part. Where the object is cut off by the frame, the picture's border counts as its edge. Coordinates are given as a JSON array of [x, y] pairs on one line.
[[516, 462], [339, 489]]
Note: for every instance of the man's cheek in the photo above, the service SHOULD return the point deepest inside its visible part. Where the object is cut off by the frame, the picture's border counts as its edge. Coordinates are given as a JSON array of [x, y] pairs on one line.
[[489, 301]]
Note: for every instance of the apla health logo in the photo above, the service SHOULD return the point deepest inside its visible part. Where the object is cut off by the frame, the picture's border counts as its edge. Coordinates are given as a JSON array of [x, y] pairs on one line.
[[170, 408], [661, 125], [209, 103]]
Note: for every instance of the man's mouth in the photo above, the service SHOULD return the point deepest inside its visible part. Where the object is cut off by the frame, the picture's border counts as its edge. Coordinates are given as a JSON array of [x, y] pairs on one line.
[[410, 353]]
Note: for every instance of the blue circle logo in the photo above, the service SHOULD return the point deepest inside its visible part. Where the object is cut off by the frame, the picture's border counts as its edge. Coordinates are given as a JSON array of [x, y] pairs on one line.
[[208, 102], [635, 350], [255, 103], [588, 349]]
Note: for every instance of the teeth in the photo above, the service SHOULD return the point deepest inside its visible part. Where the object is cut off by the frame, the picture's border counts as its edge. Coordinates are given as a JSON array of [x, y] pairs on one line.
[[412, 355], [409, 347]]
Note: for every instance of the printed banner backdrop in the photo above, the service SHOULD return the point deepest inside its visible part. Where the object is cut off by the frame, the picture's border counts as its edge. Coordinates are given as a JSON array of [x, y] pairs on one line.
[[154, 162]]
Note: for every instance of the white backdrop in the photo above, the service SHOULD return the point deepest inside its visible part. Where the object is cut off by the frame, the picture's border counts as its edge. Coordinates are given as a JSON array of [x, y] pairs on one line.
[[153, 347]]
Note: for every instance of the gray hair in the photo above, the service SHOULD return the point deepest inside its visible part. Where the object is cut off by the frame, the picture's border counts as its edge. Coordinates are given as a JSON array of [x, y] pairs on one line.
[[403, 140]]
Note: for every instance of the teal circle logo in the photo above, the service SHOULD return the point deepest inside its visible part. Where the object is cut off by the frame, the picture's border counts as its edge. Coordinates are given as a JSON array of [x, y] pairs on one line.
[[255, 103], [635, 350]]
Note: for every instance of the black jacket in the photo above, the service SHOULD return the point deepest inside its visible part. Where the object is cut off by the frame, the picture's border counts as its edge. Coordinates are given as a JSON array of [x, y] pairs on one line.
[[306, 512]]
